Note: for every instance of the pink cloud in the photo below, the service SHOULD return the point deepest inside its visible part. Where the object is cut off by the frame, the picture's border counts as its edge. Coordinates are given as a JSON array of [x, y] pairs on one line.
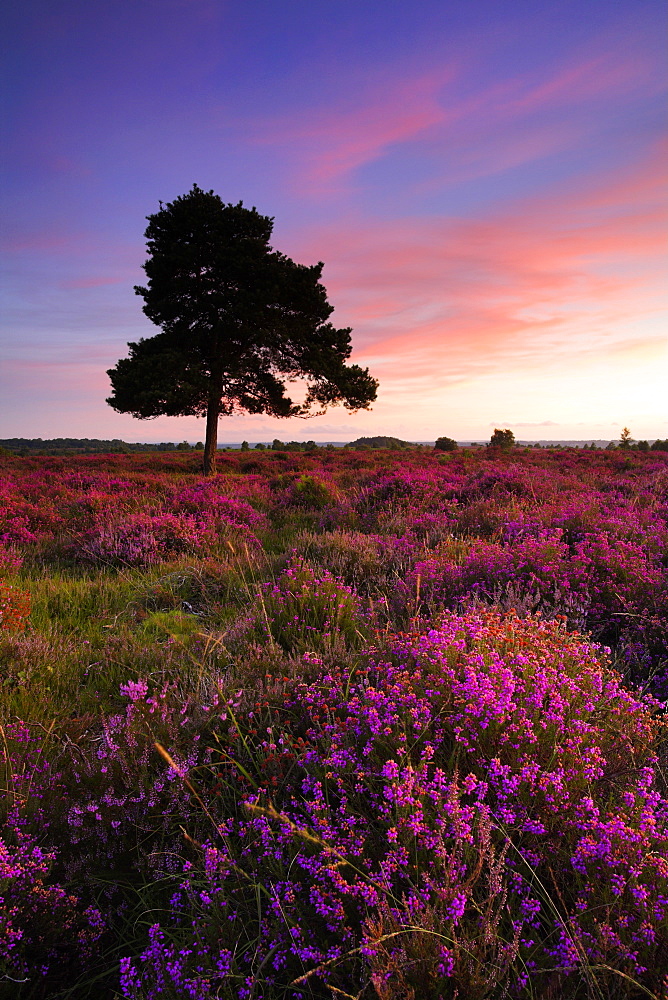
[[600, 76], [567, 272], [335, 143], [45, 241], [94, 281], [325, 147]]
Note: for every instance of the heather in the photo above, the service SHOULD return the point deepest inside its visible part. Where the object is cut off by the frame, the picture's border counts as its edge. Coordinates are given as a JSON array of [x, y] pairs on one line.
[[338, 723]]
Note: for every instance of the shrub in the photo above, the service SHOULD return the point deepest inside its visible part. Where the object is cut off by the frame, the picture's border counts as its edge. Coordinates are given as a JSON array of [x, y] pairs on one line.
[[445, 444], [472, 813], [141, 540], [311, 492], [14, 607], [41, 923], [503, 440], [302, 611]]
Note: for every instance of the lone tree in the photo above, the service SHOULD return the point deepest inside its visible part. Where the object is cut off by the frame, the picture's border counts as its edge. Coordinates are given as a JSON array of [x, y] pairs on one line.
[[446, 444], [238, 320], [504, 440], [625, 439]]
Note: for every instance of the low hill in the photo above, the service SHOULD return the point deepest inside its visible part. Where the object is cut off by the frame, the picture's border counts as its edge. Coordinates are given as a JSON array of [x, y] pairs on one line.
[[380, 442]]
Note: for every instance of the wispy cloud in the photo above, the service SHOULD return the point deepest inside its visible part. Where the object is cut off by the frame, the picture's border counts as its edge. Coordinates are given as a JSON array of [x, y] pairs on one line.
[[330, 144], [571, 271], [480, 129], [93, 281]]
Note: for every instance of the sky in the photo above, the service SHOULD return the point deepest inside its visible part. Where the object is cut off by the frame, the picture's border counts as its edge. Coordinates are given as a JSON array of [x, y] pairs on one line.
[[483, 179]]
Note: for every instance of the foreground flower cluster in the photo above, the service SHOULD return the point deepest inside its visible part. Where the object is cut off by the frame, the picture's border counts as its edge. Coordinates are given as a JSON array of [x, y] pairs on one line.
[[474, 810], [335, 725]]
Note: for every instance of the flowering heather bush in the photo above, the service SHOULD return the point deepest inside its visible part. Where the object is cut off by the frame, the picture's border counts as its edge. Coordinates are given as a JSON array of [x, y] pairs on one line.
[[302, 611], [10, 558], [14, 607], [40, 923], [141, 540], [146, 539], [474, 810], [204, 501], [605, 578], [120, 792], [373, 564]]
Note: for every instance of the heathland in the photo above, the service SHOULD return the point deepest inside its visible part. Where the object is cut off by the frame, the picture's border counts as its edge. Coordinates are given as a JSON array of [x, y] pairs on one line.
[[337, 723]]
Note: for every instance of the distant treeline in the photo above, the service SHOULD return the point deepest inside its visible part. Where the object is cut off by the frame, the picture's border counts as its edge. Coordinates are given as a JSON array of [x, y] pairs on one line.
[[96, 446], [87, 446]]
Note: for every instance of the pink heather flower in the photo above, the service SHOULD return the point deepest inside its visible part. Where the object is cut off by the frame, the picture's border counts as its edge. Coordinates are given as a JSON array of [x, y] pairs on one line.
[[135, 690]]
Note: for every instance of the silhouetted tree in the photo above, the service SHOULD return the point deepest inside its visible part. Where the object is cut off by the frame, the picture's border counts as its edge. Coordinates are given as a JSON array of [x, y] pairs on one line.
[[237, 320]]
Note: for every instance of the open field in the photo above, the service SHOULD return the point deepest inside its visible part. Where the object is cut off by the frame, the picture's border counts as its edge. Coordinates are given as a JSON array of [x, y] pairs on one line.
[[335, 724]]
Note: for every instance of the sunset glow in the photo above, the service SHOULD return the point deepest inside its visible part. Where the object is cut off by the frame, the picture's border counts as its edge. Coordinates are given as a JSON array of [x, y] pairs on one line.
[[485, 183]]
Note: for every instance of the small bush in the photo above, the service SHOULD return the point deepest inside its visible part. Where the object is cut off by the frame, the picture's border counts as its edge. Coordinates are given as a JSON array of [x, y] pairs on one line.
[[141, 540], [446, 444], [14, 607], [504, 440], [303, 611]]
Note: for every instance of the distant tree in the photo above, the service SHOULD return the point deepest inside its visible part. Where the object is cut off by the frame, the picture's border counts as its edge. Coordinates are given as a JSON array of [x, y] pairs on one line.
[[625, 439], [659, 445], [642, 446], [259, 447], [245, 446], [503, 440], [446, 444], [237, 320]]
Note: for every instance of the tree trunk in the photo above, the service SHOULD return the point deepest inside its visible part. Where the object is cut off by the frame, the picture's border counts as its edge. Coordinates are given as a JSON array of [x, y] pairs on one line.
[[211, 442]]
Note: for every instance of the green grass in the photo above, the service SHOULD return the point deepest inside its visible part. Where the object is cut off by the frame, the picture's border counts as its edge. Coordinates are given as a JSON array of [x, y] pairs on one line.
[[92, 629]]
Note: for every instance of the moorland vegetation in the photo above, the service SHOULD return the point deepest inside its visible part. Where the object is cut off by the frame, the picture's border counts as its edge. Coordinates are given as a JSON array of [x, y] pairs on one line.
[[334, 723]]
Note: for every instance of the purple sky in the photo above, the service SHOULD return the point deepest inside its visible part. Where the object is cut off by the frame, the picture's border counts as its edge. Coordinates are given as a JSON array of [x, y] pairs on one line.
[[483, 180]]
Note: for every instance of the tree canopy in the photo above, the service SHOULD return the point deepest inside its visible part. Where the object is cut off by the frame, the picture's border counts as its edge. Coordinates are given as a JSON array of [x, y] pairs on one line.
[[445, 444], [503, 439], [238, 320]]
